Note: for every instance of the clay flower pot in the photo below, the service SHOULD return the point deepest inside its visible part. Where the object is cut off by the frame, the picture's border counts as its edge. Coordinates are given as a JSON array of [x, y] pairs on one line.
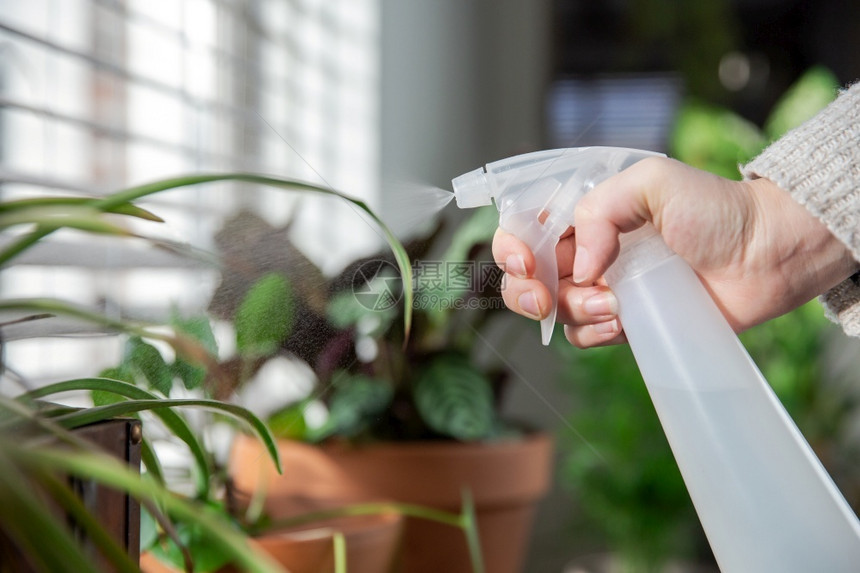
[[505, 478], [371, 545]]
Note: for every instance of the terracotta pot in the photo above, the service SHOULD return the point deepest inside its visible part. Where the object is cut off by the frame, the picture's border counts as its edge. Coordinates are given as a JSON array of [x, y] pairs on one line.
[[149, 563], [506, 480], [371, 545]]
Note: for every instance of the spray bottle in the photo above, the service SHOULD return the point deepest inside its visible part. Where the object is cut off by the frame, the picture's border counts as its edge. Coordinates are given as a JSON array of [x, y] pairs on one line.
[[765, 501]]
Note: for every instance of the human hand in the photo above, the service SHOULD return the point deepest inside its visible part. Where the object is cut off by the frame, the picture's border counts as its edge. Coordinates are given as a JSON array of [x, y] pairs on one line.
[[758, 252]]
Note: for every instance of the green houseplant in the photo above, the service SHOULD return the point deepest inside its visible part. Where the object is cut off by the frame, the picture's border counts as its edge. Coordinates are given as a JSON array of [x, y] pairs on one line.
[[409, 405], [370, 530], [632, 490], [373, 396], [40, 442], [37, 442]]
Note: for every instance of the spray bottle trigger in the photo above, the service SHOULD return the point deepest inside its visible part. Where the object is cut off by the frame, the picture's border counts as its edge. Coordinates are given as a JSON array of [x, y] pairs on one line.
[[546, 271]]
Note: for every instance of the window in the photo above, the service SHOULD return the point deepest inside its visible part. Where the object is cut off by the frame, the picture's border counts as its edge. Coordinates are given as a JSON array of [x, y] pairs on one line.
[[620, 110], [96, 95]]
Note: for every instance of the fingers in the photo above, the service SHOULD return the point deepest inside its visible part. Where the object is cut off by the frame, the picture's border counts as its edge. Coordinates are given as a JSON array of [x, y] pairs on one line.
[[594, 335], [585, 305], [620, 204], [589, 313], [514, 257], [528, 297]]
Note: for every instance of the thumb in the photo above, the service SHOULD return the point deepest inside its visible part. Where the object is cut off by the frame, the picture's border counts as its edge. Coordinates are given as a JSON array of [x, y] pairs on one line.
[[619, 204]]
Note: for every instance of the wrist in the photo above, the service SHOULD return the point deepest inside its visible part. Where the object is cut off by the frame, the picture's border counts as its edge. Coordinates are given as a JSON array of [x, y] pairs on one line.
[[812, 258]]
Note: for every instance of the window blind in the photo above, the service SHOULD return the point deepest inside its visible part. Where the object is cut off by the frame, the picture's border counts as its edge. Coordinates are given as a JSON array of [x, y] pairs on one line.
[[621, 110], [96, 95]]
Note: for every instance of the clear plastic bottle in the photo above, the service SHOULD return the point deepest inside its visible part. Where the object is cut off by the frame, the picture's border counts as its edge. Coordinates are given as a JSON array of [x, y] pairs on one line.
[[765, 501]]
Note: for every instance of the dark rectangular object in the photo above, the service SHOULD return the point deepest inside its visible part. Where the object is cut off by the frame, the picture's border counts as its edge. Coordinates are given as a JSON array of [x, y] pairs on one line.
[[115, 510]]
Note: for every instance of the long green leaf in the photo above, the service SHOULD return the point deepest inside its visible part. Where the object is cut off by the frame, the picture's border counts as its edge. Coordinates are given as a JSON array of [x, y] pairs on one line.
[[129, 209], [127, 196], [109, 471], [90, 415], [469, 523], [83, 218], [174, 422], [339, 541], [400, 255]]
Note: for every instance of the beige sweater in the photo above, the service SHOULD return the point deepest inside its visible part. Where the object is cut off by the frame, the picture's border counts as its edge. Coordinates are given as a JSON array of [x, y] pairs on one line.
[[819, 164]]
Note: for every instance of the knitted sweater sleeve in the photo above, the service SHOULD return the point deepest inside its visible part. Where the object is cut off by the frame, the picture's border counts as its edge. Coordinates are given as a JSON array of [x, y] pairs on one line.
[[819, 164]]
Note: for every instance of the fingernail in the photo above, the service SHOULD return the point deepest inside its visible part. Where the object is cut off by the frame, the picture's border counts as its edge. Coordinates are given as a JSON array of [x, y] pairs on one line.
[[529, 304], [608, 327], [580, 265], [516, 265], [603, 304]]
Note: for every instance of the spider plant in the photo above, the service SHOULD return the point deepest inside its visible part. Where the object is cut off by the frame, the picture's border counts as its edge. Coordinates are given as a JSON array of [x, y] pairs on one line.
[[38, 445]]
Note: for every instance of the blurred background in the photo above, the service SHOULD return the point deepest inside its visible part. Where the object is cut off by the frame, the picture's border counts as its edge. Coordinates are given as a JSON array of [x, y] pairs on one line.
[[363, 95]]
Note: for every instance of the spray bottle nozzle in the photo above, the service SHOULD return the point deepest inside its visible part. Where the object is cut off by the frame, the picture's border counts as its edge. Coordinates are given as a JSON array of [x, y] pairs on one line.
[[472, 189], [536, 194]]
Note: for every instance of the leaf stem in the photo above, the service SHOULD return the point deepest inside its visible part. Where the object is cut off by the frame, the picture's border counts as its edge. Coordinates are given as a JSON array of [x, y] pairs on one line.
[[373, 508]]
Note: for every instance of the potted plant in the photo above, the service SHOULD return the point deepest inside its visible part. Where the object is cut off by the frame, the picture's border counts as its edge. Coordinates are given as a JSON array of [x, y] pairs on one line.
[[361, 536], [413, 419], [37, 441]]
